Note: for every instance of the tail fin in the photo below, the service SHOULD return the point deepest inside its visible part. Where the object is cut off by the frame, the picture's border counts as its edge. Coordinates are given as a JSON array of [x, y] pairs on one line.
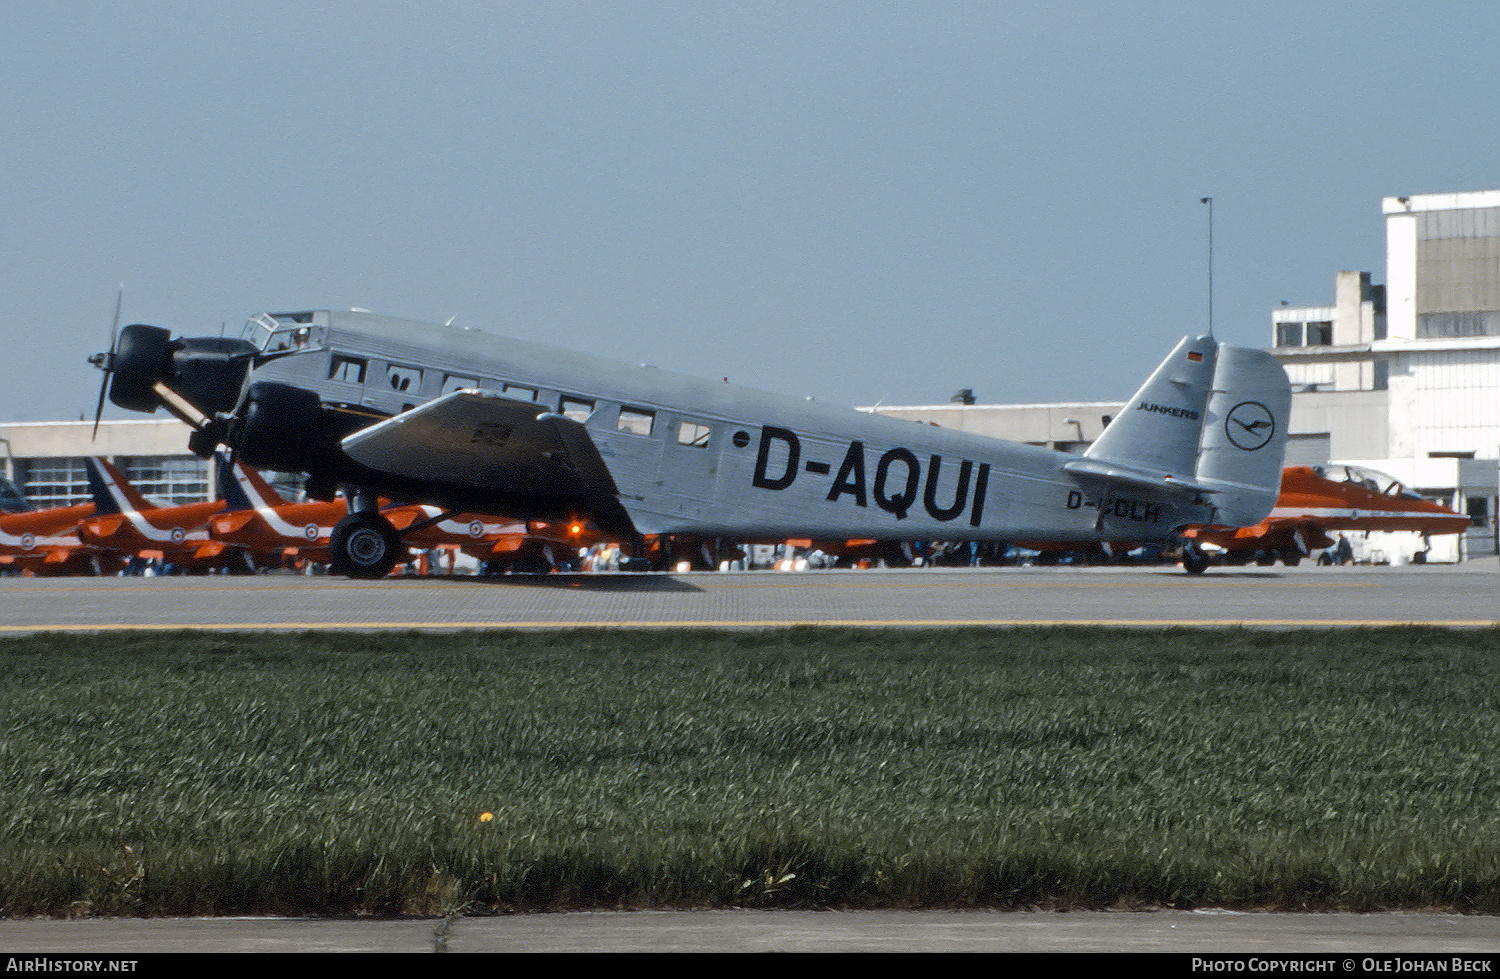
[[1244, 436], [1159, 430], [111, 491], [255, 488], [230, 490], [1211, 420], [12, 500]]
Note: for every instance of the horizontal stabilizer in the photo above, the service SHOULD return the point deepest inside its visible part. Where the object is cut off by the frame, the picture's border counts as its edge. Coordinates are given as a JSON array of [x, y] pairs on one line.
[[1124, 475]]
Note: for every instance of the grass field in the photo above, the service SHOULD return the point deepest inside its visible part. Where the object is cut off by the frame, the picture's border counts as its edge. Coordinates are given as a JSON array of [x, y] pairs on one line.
[[487, 772]]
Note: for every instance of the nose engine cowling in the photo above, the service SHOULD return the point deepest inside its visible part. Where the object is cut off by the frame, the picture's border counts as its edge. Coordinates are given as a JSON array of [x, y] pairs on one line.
[[142, 358], [210, 371], [202, 381], [196, 378]]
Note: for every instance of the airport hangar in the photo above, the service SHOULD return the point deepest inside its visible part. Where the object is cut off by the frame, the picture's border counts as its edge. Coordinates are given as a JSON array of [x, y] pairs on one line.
[[1403, 378]]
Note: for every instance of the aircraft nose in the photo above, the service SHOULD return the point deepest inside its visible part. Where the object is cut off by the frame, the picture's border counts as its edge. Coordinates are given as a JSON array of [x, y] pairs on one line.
[[195, 378], [141, 357]]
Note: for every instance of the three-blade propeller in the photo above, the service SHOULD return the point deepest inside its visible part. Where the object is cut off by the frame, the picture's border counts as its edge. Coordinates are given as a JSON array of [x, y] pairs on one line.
[[106, 361]]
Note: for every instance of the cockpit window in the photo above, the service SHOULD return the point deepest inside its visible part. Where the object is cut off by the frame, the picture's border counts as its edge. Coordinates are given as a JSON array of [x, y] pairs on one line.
[[284, 332], [1369, 479]]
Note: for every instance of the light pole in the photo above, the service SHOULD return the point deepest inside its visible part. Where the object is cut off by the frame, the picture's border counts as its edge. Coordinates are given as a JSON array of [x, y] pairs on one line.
[[1210, 202]]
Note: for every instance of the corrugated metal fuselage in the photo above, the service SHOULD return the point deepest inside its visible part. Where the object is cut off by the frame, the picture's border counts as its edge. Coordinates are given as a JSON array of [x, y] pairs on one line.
[[698, 457]]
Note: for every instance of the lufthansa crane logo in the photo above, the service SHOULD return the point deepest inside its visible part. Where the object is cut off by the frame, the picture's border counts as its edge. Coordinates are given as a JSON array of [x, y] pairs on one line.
[[1249, 425]]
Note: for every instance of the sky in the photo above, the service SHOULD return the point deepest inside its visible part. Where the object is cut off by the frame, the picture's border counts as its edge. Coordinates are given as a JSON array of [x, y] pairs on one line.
[[858, 202]]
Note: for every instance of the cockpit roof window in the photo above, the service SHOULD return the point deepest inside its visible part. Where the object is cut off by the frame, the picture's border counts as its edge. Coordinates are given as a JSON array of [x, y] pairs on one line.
[[278, 332], [1371, 479]]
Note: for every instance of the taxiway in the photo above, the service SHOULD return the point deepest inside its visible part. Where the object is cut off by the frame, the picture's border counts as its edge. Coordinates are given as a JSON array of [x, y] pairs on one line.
[[1309, 597]]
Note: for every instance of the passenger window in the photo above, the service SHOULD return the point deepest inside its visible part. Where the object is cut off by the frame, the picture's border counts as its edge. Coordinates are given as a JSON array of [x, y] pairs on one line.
[[691, 433], [516, 391], [404, 378], [451, 384], [348, 369], [577, 409], [635, 421]]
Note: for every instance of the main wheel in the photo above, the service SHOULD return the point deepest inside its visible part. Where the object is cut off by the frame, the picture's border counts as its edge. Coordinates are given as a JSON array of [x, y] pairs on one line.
[[1194, 560], [364, 545]]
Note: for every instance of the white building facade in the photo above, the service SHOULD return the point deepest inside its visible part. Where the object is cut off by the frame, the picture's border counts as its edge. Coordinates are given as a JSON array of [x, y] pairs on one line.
[[45, 460], [1405, 377]]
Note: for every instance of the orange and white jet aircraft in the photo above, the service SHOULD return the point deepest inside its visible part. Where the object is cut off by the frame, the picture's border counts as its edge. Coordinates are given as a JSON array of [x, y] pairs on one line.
[[1316, 500], [502, 544], [45, 542], [126, 523], [262, 521]]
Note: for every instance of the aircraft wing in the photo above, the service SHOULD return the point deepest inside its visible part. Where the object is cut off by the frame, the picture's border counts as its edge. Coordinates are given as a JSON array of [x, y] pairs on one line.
[[472, 442]]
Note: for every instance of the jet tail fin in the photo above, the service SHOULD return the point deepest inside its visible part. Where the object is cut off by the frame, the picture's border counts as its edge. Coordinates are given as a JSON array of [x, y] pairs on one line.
[[111, 491], [230, 490], [1210, 420], [244, 488]]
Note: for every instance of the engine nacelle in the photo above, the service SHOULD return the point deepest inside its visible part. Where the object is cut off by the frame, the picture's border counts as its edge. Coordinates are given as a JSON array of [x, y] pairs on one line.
[[141, 358], [282, 427], [207, 372]]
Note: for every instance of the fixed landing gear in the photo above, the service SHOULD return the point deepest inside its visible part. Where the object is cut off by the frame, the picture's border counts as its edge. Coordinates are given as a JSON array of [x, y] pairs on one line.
[[1194, 560], [364, 545]]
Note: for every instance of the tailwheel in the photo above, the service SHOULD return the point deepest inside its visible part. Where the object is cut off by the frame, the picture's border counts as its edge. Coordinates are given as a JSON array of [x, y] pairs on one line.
[[1194, 560], [364, 545]]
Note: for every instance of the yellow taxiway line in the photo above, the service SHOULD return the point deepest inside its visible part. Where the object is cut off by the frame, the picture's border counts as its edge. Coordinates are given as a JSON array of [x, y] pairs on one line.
[[750, 624]]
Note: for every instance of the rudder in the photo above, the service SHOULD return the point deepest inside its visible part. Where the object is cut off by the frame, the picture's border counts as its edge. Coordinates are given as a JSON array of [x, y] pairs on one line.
[[1244, 435]]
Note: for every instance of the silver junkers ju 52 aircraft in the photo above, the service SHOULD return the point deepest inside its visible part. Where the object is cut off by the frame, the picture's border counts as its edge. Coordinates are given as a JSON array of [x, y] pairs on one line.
[[387, 408]]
